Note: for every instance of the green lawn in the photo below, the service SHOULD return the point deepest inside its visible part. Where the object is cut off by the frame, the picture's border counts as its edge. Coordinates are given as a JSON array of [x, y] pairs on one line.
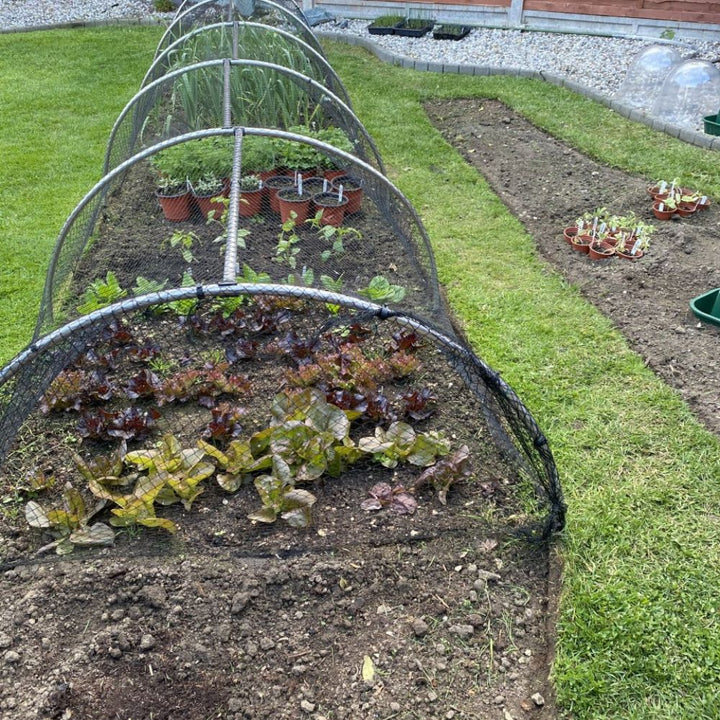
[[638, 633]]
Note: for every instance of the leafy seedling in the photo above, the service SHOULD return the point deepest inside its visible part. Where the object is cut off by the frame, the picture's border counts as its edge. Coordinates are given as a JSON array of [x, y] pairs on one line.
[[101, 293], [69, 524], [397, 499], [180, 469], [446, 472], [379, 289], [281, 498]]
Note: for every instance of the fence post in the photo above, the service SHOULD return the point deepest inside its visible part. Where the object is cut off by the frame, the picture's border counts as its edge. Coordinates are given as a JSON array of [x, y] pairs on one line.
[[515, 14]]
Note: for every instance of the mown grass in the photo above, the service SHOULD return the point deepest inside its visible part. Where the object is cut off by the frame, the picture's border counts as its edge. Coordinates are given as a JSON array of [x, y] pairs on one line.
[[638, 633], [60, 92]]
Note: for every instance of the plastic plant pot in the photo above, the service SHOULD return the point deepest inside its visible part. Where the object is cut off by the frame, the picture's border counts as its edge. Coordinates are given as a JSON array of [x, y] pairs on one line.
[[206, 204], [289, 201], [273, 185], [600, 250], [316, 185], [331, 207], [250, 202], [176, 208], [353, 188], [706, 307]]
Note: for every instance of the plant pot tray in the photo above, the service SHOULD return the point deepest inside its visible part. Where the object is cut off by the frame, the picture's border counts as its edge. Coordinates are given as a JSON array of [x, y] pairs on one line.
[[451, 32], [413, 31], [383, 29], [707, 307]]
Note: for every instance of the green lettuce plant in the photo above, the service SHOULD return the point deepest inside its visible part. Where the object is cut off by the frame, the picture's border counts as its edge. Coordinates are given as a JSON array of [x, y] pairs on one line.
[[180, 469], [69, 524]]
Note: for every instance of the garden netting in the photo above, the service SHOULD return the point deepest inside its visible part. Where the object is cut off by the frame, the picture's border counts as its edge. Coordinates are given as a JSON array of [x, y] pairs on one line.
[[248, 40], [236, 93], [245, 307], [267, 12]]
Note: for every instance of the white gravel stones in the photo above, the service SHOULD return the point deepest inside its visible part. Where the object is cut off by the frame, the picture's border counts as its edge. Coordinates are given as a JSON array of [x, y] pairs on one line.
[[595, 62], [16, 14]]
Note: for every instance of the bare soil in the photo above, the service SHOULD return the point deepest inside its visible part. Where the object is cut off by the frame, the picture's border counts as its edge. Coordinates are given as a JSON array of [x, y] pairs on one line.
[[233, 620], [547, 184], [442, 614]]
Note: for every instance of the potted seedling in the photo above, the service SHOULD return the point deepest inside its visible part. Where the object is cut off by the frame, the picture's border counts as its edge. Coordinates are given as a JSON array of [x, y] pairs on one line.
[[207, 192], [171, 185], [352, 186], [331, 207], [602, 245], [273, 185], [251, 191], [294, 202], [174, 198]]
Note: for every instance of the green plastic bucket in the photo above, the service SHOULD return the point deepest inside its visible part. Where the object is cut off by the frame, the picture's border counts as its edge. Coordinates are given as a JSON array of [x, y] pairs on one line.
[[712, 124], [707, 307]]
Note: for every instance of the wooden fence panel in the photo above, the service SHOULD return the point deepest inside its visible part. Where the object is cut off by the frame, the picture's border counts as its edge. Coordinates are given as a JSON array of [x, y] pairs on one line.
[[704, 11]]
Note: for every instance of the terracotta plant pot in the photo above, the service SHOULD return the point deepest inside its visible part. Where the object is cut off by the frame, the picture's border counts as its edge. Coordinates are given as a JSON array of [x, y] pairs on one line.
[[685, 209], [316, 185], [660, 211], [353, 188], [275, 183], [627, 255], [305, 174], [334, 173], [600, 250], [569, 233], [176, 208], [265, 175], [332, 209], [581, 243], [703, 203], [250, 202], [205, 204], [290, 201]]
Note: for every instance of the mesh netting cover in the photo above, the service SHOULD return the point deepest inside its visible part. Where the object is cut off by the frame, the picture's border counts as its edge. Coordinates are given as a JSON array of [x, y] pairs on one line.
[[284, 16], [250, 312], [236, 92]]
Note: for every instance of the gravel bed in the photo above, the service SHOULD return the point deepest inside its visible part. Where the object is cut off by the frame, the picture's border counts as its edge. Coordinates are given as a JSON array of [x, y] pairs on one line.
[[599, 63], [17, 14]]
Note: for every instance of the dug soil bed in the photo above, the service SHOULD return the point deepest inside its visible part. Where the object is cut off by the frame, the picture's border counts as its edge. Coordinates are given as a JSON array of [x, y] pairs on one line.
[[440, 614], [547, 184]]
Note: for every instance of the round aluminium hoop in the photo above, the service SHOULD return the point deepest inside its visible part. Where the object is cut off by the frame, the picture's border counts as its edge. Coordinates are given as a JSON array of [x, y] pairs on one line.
[[132, 122], [176, 29]]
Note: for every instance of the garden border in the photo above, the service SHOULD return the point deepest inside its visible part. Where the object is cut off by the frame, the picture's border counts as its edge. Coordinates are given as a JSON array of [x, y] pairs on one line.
[[689, 136]]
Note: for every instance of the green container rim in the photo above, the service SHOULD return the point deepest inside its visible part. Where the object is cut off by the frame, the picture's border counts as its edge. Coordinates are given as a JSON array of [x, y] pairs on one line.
[[712, 124], [706, 307]]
